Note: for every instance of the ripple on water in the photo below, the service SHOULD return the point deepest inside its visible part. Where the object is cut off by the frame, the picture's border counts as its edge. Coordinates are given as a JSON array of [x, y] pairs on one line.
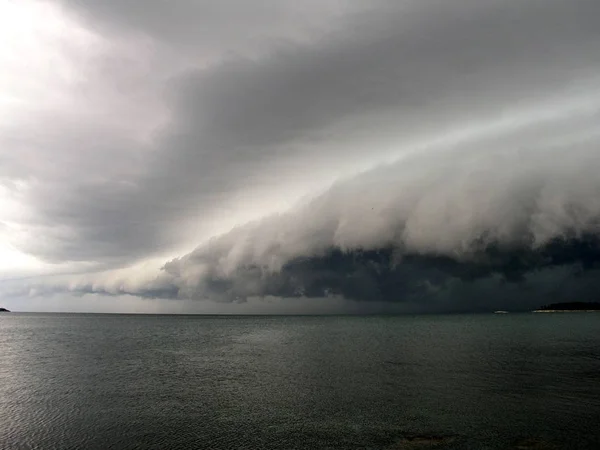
[[126, 382]]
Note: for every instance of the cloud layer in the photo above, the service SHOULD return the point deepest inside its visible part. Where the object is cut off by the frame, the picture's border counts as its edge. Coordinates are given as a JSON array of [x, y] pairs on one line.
[[431, 151], [477, 229]]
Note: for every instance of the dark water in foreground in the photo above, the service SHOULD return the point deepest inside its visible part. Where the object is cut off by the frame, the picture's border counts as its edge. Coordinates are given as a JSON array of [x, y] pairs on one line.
[[529, 381]]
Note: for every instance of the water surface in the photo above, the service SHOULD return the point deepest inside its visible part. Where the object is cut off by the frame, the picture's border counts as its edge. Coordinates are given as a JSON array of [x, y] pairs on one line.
[[78, 381]]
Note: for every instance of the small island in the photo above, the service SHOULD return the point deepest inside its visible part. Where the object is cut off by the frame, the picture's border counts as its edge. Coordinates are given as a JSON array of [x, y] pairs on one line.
[[570, 307], [4, 310]]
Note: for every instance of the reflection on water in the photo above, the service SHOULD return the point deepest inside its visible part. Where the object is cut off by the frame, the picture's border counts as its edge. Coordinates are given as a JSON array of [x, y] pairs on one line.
[[478, 381]]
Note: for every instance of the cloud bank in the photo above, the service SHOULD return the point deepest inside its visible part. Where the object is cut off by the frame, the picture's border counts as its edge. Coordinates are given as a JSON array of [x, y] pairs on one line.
[[437, 153], [475, 230]]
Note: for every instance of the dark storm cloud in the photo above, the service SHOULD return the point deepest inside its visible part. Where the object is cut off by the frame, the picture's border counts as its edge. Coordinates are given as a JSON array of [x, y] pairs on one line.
[[382, 236], [500, 229], [249, 97], [397, 69]]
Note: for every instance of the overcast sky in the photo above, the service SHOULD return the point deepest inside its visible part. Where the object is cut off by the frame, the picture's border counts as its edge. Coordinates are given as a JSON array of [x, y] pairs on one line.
[[284, 156]]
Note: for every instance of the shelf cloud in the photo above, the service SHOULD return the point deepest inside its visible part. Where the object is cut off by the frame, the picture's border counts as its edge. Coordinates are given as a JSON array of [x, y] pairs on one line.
[[441, 154]]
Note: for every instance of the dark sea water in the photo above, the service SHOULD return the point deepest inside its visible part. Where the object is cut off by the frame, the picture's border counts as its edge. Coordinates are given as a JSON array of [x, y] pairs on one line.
[[529, 381]]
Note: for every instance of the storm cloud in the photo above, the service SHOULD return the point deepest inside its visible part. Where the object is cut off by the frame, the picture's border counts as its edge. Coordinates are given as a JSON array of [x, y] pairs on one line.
[[442, 153]]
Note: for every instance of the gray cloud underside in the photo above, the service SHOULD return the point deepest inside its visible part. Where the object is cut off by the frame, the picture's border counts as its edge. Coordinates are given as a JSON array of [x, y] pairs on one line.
[[515, 205], [398, 72], [406, 231], [478, 230]]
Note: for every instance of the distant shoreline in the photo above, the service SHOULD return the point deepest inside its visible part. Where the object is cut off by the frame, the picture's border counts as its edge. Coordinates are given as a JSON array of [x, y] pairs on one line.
[[569, 307]]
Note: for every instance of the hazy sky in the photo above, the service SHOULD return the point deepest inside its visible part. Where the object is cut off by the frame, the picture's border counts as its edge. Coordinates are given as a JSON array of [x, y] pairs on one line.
[[284, 156]]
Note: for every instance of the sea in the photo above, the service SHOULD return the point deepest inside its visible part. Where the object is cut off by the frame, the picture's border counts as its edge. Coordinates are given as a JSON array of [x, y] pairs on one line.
[[481, 381]]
